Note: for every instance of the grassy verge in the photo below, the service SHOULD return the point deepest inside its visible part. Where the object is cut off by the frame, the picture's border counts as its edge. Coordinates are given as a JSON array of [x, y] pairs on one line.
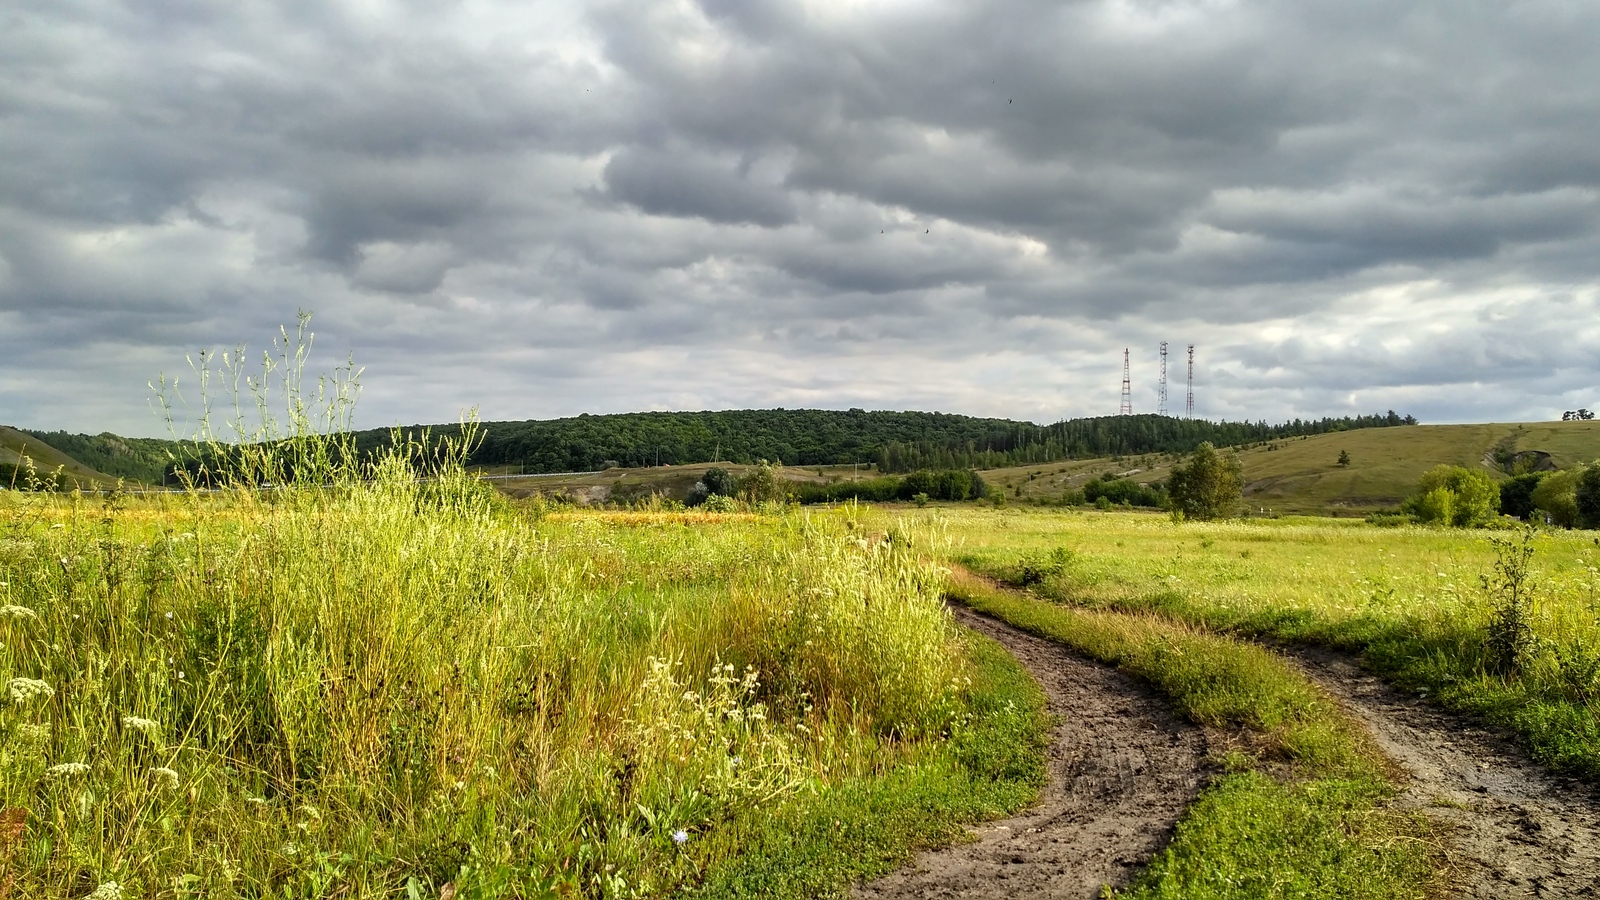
[[992, 766], [1417, 603], [1300, 812]]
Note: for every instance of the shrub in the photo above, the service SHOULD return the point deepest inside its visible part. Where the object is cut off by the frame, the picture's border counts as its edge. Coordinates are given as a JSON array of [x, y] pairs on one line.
[[1516, 495], [1586, 496], [1454, 496], [1556, 497], [1123, 491]]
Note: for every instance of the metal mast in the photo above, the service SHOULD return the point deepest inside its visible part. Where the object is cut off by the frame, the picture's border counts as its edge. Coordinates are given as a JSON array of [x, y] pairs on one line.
[[1127, 389], [1188, 405], [1161, 383]]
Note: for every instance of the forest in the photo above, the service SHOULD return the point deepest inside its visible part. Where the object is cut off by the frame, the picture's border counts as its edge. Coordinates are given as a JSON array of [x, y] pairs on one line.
[[896, 442]]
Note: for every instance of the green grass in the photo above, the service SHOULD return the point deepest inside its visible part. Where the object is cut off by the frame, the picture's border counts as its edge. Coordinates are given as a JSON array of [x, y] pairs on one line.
[[383, 687], [1410, 599], [1301, 811], [1302, 475]]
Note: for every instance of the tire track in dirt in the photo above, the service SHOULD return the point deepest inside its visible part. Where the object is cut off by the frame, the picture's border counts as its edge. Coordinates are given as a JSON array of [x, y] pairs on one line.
[[1123, 767], [1516, 830]]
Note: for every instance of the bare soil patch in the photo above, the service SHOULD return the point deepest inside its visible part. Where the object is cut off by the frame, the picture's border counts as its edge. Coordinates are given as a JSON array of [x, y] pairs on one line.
[[1123, 768], [1517, 831]]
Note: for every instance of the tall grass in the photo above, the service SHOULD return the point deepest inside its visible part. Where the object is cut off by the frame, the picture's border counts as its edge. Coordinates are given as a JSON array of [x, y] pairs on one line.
[[362, 683]]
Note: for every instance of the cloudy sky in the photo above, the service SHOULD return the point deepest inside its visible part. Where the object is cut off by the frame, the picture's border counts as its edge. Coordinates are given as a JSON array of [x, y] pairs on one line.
[[546, 208]]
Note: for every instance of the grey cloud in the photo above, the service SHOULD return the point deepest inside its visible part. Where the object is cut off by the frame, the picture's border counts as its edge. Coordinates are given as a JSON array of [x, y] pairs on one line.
[[511, 195], [671, 184]]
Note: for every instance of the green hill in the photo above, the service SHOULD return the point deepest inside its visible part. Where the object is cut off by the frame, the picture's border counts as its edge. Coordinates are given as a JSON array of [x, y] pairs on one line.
[[15, 445], [1302, 475]]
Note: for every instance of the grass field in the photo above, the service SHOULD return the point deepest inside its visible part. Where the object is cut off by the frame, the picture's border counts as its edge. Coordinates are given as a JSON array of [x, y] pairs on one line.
[[1302, 475], [1417, 602], [385, 688]]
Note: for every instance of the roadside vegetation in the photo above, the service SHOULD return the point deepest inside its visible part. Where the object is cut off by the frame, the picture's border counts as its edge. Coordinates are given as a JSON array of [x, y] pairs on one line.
[[1501, 625]]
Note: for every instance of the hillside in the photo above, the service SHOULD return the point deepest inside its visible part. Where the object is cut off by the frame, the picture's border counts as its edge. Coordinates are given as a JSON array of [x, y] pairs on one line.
[[15, 444], [1302, 475], [135, 459]]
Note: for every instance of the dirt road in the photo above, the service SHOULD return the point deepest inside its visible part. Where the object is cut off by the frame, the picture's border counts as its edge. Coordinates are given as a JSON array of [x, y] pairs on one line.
[[1123, 767], [1517, 831]]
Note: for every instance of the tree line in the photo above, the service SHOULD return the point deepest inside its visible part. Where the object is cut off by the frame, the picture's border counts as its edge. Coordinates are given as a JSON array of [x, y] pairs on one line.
[[896, 442], [1027, 444]]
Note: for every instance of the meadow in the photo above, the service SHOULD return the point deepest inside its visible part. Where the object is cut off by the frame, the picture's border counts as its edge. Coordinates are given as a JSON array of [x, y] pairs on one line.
[[1419, 604], [394, 688]]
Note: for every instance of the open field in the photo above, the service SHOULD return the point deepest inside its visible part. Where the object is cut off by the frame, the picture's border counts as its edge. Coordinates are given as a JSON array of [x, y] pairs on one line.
[[390, 688], [1302, 475], [1417, 602]]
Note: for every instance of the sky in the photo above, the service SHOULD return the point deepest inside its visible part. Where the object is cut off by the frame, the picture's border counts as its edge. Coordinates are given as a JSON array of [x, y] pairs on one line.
[[539, 209]]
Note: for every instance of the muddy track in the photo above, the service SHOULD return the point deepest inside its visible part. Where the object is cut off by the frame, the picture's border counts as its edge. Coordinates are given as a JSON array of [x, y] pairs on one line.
[[1516, 830], [1123, 767]]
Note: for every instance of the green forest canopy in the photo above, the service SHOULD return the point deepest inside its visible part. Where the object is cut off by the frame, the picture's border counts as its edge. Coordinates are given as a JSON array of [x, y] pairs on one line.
[[894, 441]]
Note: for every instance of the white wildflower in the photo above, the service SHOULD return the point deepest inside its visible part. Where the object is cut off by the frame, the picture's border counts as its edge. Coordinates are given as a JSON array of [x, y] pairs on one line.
[[23, 690], [146, 727], [108, 891], [680, 837], [11, 611], [167, 777], [67, 770], [33, 734]]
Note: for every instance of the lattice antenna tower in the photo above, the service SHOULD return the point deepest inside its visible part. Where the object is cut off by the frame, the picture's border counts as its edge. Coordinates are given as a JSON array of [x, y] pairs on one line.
[[1188, 404], [1127, 387], [1161, 383]]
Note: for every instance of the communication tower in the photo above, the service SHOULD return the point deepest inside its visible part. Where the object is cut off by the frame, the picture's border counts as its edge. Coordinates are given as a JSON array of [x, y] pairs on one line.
[[1188, 405], [1161, 383], [1127, 389]]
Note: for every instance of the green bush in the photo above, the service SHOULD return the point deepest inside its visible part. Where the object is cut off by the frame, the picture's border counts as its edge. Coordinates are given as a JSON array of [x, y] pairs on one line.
[[1124, 491], [1586, 496], [1556, 496], [1516, 495], [1454, 496]]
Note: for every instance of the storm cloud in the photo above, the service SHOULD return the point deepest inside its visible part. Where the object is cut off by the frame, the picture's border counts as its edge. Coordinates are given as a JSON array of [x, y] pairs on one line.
[[541, 209]]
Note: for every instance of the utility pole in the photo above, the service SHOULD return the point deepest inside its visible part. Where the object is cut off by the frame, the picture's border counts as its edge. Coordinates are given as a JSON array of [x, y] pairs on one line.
[[1161, 383], [1188, 405], [1127, 387]]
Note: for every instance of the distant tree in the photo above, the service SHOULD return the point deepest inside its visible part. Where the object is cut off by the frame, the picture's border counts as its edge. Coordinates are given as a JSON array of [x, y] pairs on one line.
[[720, 481], [1207, 486], [1455, 496], [1577, 415], [762, 484], [1556, 497], [1586, 496], [1516, 495], [1344, 458]]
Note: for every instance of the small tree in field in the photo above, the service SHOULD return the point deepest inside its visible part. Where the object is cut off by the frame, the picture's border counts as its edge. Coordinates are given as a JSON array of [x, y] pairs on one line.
[[1344, 459], [1207, 487]]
